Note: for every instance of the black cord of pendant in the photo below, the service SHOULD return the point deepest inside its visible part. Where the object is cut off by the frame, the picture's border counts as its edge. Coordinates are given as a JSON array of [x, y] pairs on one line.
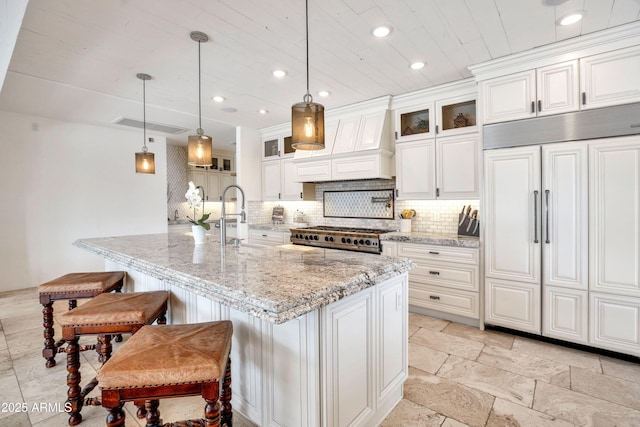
[[306, 13], [144, 113], [199, 91]]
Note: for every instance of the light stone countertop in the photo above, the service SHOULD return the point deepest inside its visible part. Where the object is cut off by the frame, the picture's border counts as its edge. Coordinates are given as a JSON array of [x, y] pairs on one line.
[[432, 239], [277, 283]]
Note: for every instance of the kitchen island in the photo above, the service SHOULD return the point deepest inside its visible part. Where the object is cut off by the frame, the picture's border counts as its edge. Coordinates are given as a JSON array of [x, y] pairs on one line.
[[320, 335]]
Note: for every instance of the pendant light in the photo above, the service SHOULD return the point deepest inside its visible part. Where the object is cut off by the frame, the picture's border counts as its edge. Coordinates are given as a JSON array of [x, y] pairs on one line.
[[199, 146], [307, 117], [145, 161]]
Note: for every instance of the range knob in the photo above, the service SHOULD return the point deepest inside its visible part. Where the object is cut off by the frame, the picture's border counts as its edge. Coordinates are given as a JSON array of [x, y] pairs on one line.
[[367, 242], [361, 241], [355, 241], [306, 237], [326, 238], [348, 240], [331, 238], [344, 240], [315, 237]]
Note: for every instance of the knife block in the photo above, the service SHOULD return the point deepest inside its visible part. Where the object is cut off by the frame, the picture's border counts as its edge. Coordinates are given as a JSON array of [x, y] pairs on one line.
[[462, 228]]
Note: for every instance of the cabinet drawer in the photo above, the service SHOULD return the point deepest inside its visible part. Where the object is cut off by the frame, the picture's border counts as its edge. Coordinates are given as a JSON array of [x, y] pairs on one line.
[[457, 276], [266, 237], [438, 253], [442, 299]]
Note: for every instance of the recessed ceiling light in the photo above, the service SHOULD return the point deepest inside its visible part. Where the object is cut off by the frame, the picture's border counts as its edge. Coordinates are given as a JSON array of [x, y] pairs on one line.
[[382, 31], [324, 93], [571, 18], [218, 98], [263, 111], [553, 2], [279, 73], [417, 65]]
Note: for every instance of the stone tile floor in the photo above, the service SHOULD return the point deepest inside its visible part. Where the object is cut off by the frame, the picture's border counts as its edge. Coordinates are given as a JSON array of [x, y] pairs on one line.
[[458, 376]]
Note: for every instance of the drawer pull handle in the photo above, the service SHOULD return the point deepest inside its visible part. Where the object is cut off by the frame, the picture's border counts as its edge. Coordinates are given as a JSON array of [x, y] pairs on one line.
[[435, 273], [434, 297], [434, 253], [264, 235]]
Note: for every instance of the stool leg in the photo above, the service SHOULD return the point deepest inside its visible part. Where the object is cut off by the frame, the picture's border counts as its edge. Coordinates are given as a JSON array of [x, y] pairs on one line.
[[116, 416], [142, 412], [212, 413], [74, 399], [225, 398], [162, 319], [49, 351], [72, 304], [119, 290], [153, 414], [105, 348]]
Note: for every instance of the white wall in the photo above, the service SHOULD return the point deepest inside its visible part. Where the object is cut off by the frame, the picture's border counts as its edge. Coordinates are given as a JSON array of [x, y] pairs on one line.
[[66, 181]]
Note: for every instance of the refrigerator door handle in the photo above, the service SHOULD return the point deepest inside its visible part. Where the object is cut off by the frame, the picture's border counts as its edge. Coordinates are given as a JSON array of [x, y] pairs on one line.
[[535, 216], [546, 193]]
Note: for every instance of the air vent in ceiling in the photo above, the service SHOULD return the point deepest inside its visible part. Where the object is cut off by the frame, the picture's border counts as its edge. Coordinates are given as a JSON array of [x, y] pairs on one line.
[[154, 127]]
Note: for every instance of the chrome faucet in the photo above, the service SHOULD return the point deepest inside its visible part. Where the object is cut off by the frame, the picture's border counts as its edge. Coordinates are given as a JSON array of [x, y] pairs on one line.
[[175, 215], [223, 215]]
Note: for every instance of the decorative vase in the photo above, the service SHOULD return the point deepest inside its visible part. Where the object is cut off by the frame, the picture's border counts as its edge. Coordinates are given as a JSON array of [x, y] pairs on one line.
[[198, 234], [199, 254], [405, 225]]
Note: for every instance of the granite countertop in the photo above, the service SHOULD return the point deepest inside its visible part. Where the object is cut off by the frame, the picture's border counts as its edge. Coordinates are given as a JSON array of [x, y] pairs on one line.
[[433, 239], [273, 283]]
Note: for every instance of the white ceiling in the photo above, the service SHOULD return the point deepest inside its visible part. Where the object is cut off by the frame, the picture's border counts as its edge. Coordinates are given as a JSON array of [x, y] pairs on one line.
[[77, 60]]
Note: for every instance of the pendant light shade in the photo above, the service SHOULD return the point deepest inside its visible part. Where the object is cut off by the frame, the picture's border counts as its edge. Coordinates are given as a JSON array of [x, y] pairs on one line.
[[145, 161], [199, 145], [307, 117]]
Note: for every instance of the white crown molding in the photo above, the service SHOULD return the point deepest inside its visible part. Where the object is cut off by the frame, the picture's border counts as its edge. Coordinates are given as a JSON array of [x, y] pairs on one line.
[[579, 47]]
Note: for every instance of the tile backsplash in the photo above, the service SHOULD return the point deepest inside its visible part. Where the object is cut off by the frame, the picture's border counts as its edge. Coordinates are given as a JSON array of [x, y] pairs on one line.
[[432, 216]]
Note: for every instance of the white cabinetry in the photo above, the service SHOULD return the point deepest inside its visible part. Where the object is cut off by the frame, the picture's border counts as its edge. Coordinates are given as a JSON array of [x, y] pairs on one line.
[[364, 364], [543, 91], [521, 184], [268, 237], [443, 168], [614, 245], [278, 182], [445, 278], [610, 78]]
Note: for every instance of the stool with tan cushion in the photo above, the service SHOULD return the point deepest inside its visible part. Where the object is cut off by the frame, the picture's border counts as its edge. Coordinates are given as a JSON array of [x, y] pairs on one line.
[[167, 361], [72, 287], [105, 315]]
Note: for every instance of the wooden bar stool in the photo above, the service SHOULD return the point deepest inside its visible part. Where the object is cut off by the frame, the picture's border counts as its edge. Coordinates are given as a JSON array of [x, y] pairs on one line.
[[105, 315], [169, 361], [72, 287]]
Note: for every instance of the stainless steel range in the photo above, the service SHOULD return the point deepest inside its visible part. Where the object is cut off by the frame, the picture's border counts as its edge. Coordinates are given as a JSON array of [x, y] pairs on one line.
[[352, 239]]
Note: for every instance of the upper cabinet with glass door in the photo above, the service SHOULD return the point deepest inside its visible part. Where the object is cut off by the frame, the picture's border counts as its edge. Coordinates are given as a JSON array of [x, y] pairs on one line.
[[414, 123], [455, 116], [277, 145]]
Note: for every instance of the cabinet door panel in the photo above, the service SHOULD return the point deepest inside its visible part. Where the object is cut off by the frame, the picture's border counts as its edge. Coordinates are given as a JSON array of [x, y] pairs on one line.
[[614, 210], [271, 180], [513, 305], [611, 78], [370, 131], [557, 87], [290, 188], [346, 135], [415, 170], [348, 355], [615, 323], [565, 314], [509, 97], [512, 214], [392, 318], [458, 170], [565, 218]]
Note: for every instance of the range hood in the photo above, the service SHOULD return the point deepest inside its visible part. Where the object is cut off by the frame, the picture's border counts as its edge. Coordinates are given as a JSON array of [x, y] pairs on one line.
[[605, 122]]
